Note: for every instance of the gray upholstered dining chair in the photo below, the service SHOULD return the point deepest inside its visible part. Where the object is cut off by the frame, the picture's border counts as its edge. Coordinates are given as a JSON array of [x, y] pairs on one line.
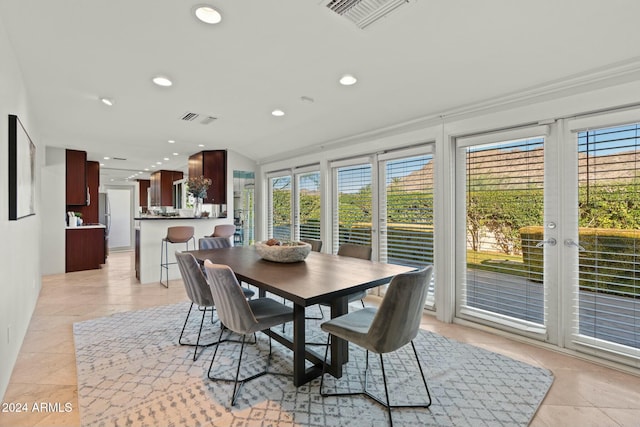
[[355, 251], [385, 329], [198, 292], [219, 243], [316, 244], [242, 316], [214, 243]]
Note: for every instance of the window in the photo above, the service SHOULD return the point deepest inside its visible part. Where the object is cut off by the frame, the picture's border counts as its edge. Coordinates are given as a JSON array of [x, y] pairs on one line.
[[280, 207]]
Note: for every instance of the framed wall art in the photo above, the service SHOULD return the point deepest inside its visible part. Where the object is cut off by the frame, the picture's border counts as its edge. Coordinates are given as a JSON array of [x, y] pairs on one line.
[[22, 171]]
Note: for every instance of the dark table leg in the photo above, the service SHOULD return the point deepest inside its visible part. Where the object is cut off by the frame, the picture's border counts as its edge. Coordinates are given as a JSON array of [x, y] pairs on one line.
[[339, 347], [299, 339]]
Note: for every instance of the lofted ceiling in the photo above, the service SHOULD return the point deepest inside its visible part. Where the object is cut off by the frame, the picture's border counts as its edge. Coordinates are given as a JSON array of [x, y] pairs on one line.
[[425, 58]]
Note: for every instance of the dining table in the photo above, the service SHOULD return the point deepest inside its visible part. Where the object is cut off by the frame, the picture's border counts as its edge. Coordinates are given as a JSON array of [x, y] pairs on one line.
[[320, 278]]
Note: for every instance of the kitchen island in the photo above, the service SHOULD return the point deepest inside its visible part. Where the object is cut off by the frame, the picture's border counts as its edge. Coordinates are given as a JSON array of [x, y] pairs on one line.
[[150, 230]]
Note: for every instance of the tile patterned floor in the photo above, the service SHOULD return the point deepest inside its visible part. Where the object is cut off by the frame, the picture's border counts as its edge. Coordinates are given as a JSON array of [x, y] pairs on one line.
[[583, 393]]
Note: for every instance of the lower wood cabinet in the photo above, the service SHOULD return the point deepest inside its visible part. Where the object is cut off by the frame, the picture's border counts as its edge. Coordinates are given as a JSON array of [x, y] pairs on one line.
[[85, 248]]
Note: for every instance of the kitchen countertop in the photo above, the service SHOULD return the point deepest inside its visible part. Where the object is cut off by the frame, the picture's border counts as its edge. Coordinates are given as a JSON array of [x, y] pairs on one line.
[[157, 217], [80, 227]]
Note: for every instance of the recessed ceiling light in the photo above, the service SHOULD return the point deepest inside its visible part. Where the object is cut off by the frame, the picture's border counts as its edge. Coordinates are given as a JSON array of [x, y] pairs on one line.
[[146, 169], [107, 101], [200, 145], [208, 14], [175, 154], [162, 81], [158, 163], [348, 80], [277, 113], [101, 164], [166, 158], [106, 158], [171, 141]]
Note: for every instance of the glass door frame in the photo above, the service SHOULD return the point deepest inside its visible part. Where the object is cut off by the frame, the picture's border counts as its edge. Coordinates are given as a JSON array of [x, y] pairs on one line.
[[547, 332]]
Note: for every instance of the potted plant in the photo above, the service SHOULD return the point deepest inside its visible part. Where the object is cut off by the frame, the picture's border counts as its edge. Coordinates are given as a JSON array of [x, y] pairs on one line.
[[197, 187]]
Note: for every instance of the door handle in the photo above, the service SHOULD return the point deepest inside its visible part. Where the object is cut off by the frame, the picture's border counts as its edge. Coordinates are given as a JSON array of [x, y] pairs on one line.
[[550, 241], [571, 242]]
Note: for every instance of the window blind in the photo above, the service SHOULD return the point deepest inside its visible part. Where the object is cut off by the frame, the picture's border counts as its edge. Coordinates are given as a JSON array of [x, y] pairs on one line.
[[279, 224], [504, 216], [607, 298], [353, 213]]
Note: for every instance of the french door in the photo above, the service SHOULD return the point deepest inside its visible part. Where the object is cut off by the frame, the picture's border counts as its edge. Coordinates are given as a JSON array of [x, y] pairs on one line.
[[548, 226], [504, 227], [603, 313]]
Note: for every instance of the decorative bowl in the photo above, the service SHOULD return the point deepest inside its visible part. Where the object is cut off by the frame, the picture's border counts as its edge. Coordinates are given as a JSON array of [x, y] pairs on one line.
[[288, 252]]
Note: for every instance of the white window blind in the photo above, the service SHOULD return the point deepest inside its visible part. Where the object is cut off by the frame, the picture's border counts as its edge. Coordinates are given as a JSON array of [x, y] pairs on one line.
[[408, 211], [308, 205], [353, 213], [504, 204], [280, 211], [607, 298]]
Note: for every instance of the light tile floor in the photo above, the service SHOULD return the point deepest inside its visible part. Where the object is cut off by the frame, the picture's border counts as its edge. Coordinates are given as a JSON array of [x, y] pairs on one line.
[[583, 393]]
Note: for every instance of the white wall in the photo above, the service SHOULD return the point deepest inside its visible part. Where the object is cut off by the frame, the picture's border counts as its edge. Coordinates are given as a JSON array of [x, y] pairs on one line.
[[20, 249], [52, 203]]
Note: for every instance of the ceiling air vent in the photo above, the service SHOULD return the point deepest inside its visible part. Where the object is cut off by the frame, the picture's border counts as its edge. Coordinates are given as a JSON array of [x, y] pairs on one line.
[[363, 12], [202, 119], [189, 117]]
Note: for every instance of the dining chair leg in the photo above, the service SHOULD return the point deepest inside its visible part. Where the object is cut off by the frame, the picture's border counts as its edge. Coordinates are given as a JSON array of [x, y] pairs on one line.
[[386, 391], [235, 394], [197, 344], [185, 325], [424, 380], [324, 364], [195, 351], [215, 351]]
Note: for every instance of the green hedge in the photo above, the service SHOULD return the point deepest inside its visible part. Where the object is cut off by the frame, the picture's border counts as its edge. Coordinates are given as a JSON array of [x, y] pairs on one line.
[[610, 262], [410, 243]]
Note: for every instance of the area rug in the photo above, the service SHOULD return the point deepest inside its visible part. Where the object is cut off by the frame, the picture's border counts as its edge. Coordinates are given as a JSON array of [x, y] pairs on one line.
[[132, 372]]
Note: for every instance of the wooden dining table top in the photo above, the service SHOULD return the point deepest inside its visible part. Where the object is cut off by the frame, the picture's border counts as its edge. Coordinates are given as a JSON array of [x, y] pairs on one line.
[[319, 278]]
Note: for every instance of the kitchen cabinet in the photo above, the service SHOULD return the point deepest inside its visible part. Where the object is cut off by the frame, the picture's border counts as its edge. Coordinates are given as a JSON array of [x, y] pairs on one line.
[[76, 177], [211, 164], [90, 210], [143, 187], [85, 248], [161, 187]]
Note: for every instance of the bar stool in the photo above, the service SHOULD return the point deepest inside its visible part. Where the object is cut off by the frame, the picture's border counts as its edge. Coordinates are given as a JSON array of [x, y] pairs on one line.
[[224, 230], [181, 234]]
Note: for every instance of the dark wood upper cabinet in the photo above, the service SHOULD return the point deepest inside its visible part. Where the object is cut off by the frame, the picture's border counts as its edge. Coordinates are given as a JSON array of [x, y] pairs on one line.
[[211, 164], [161, 186], [76, 177], [144, 185], [90, 210]]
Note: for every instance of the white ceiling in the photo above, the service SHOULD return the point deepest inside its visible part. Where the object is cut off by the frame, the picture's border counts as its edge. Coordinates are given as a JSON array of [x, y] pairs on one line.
[[426, 58]]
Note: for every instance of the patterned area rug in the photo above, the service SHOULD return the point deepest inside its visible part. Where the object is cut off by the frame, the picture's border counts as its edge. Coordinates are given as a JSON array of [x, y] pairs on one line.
[[132, 372]]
